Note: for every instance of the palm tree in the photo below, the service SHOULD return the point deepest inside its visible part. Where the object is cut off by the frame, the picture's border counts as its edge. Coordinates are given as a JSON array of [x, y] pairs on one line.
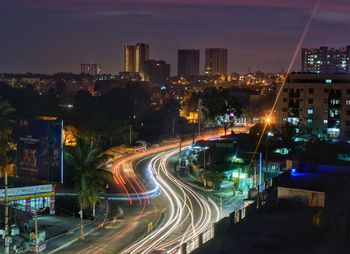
[[86, 160]]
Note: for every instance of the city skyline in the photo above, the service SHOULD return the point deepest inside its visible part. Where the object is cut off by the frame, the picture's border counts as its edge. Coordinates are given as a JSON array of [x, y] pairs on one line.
[[175, 126], [58, 35]]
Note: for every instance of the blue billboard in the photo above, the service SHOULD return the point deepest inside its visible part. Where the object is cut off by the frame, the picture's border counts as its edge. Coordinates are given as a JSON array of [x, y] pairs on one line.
[[40, 149]]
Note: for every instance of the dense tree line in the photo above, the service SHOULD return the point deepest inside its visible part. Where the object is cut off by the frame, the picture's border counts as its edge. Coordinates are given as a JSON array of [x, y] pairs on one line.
[[107, 119]]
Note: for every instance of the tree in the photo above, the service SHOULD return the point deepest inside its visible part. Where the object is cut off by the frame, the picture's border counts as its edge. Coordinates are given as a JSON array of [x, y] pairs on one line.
[[221, 107], [6, 130], [86, 160], [215, 177], [118, 132], [190, 103], [285, 135], [6, 120]]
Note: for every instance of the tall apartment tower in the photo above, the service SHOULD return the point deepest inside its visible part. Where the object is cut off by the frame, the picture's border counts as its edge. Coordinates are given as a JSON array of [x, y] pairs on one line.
[[216, 61], [135, 57], [141, 55], [325, 60], [188, 62], [157, 72], [90, 69], [129, 58]]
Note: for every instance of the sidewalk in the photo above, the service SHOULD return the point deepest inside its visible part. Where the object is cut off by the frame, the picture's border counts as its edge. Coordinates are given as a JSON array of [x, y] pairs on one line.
[[63, 231], [60, 231]]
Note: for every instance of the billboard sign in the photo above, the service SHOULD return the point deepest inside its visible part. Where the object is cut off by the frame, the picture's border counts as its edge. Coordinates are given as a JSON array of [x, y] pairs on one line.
[[40, 149]]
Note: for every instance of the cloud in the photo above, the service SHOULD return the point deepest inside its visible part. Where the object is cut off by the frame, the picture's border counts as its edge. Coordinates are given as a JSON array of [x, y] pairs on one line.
[[331, 17], [136, 6]]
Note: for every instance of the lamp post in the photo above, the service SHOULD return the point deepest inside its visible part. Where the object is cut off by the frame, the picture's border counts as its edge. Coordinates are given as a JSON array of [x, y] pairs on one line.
[[7, 240], [268, 123], [36, 225]]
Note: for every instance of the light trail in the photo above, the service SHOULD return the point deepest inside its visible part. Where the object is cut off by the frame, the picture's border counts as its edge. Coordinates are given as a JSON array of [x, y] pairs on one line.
[[291, 64], [126, 227], [125, 176], [188, 214]]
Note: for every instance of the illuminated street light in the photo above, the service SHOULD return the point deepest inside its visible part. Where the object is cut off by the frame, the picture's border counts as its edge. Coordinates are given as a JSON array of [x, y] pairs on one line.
[[268, 120]]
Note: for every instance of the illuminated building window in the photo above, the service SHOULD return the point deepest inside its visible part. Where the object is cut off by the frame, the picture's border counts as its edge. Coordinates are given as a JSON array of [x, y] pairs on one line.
[[309, 121], [347, 102], [335, 102], [325, 121], [335, 112], [310, 111]]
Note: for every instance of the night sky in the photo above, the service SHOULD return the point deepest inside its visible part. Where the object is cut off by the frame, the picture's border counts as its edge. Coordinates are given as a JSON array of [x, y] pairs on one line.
[[49, 36]]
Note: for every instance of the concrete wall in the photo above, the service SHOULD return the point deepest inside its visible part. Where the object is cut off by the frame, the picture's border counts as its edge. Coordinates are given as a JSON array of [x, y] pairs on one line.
[[307, 197]]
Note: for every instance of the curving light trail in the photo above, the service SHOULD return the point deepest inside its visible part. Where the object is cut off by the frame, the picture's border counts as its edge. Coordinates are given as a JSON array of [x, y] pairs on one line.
[[125, 176], [188, 213]]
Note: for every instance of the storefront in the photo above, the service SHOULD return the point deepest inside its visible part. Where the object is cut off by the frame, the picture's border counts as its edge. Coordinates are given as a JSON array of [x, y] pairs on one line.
[[31, 198]]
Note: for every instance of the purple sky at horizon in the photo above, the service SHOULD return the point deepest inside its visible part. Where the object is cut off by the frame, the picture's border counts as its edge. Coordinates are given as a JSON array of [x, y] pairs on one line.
[[49, 36]]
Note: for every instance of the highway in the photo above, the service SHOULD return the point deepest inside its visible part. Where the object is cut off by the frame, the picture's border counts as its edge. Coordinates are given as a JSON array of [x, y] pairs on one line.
[[149, 190], [187, 213]]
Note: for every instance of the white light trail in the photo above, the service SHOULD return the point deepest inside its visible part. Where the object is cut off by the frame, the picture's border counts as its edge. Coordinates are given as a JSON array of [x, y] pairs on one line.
[[188, 215]]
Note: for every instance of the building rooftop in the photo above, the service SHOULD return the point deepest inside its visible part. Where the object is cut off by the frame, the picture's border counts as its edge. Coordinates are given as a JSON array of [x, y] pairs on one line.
[[318, 78], [323, 178], [270, 230], [289, 227], [15, 182]]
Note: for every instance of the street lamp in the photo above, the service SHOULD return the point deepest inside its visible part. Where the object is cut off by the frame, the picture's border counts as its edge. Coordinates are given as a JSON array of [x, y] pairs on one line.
[[268, 134], [268, 120]]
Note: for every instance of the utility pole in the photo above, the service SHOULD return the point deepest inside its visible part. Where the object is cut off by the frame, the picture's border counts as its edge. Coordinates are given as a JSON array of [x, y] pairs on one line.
[[239, 179], [194, 132], [36, 226], [204, 160], [7, 240], [266, 156], [130, 134], [254, 178], [260, 171], [199, 118], [180, 155]]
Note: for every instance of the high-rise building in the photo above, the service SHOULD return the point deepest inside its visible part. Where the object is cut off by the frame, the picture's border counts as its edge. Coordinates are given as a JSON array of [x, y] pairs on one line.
[[157, 71], [141, 55], [129, 58], [188, 62], [325, 60], [135, 57], [216, 61], [90, 69], [317, 103]]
